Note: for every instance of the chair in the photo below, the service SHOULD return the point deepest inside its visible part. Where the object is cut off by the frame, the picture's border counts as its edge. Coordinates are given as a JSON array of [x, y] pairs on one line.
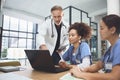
[[9, 63]]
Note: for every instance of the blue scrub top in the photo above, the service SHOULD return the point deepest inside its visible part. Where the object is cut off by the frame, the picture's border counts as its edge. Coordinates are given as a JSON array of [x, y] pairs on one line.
[[82, 51], [112, 55]]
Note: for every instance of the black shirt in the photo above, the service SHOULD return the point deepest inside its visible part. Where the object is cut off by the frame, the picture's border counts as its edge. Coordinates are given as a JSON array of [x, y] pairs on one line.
[[58, 28]]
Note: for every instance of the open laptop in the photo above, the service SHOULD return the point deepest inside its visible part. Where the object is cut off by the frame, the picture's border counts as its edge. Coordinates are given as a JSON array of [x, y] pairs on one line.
[[41, 60]]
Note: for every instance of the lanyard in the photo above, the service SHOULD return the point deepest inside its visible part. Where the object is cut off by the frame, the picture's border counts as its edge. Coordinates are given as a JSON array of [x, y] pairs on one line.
[[107, 55]]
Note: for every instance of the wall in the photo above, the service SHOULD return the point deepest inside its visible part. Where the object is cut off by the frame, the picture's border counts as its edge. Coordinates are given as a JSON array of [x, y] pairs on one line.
[[23, 15]]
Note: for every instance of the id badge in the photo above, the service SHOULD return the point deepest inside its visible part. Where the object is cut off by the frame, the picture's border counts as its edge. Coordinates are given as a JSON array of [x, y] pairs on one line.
[[108, 66], [77, 61]]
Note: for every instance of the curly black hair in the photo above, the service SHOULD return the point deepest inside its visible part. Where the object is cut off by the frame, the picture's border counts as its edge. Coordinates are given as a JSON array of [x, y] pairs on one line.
[[82, 29]]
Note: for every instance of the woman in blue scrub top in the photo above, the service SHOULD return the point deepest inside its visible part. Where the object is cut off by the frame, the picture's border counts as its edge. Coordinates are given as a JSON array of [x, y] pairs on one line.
[[78, 53], [110, 62]]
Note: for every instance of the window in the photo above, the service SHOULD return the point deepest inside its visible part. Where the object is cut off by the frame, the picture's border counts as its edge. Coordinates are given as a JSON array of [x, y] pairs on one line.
[[17, 33]]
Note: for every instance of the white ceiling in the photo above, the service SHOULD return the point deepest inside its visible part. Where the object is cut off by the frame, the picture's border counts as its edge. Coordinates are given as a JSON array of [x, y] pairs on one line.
[[42, 7]]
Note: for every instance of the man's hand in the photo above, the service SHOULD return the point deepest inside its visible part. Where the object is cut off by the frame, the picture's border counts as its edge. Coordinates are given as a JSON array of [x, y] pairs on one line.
[[43, 47]]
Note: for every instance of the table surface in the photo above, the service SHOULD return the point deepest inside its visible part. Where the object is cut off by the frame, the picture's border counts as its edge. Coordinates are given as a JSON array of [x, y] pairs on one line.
[[40, 75]]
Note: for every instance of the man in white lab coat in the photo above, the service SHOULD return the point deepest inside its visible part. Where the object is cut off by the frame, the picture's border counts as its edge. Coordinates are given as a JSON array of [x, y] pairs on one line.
[[53, 33]]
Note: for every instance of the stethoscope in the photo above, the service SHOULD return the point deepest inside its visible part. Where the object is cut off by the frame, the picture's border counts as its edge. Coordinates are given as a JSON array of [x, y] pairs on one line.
[[52, 35]]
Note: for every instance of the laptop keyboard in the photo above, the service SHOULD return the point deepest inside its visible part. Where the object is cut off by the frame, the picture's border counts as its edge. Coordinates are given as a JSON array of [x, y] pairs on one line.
[[59, 69]]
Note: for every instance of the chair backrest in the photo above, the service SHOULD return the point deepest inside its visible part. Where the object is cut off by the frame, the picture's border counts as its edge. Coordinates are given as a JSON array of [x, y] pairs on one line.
[[9, 63]]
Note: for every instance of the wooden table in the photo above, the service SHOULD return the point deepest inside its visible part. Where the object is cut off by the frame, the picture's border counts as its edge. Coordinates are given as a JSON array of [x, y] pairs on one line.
[[40, 75], [36, 75]]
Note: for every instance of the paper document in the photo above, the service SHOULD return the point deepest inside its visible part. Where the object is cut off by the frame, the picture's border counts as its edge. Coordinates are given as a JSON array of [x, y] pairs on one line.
[[62, 47], [68, 76], [12, 76]]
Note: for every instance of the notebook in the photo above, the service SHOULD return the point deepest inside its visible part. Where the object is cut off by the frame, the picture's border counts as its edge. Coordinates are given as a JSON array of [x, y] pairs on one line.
[[41, 60], [9, 68]]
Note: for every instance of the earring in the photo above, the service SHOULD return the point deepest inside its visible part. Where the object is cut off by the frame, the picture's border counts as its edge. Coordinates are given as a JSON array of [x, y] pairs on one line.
[[79, 41]]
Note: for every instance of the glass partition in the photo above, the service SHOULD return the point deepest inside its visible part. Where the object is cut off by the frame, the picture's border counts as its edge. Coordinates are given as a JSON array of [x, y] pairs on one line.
[[66, 15], [73, 14], [85, 18], [94, 41]]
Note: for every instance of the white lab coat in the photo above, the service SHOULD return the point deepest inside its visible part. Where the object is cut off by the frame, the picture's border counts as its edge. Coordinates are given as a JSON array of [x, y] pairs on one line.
[[45, 33]]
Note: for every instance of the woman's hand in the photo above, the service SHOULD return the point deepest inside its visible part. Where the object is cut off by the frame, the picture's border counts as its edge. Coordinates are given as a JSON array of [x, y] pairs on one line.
[[72, 66], [75, 71], [63, 64]]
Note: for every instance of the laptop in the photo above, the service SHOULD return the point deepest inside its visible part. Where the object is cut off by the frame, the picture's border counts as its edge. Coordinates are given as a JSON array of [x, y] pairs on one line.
[[42, 60]]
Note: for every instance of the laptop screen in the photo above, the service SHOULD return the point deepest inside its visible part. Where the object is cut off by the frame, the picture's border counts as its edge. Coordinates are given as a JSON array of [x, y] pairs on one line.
[[39, 59]]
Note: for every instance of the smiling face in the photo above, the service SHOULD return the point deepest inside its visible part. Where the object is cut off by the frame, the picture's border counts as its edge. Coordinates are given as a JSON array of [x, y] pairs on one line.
[[57, 16], [73, 36]]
